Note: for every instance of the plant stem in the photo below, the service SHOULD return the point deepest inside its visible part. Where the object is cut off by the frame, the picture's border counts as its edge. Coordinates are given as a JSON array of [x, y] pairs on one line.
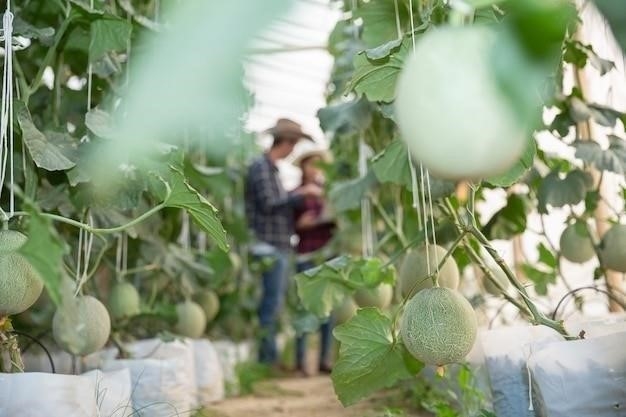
[[390, 223], [95, 230]]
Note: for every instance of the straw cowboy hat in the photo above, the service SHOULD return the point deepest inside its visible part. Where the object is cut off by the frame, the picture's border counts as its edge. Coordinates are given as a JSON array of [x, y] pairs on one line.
[[288, 129], [309, 152]]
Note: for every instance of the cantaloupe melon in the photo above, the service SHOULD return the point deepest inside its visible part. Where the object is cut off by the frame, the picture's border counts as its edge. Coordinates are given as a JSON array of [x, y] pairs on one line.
[[613, 248], [124, 301], [81, 325], [374, 297], [210, 303], [438, 326], [576, 245], [345, 311], [191, 320], [500, 277], [20, 284], [414, 270], [451, 110]]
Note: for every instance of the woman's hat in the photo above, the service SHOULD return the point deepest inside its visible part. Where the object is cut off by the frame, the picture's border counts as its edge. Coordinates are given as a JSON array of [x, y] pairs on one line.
[[311, 151], [288, 129]]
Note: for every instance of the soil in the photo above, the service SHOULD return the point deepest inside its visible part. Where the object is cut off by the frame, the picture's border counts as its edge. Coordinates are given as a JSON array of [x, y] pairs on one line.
[[293, 397]]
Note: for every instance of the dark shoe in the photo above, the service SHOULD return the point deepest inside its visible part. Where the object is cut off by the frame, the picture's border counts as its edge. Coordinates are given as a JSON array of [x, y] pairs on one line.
[[326, 369]]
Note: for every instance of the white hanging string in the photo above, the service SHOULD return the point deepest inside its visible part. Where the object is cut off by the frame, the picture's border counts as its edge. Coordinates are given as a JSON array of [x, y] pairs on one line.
[[427, 202], [83, 257], [366, 208], [89, 72], [6, 110], [118, 256]]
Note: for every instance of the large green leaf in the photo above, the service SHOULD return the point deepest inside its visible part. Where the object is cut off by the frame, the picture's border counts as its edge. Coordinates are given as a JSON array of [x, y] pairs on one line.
[[44, 250], [184, 196], [392, 164], [45, 153], [369, 357], [325, 287], [376, 79], [379, 21], [612, 159], [347, 195], [510, 220], [518, 170], [107, 35], [540, 278], [345, 118], [555, 191]]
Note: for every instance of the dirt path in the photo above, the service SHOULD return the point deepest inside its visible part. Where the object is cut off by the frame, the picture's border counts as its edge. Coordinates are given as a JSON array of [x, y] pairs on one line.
[[295, 397]]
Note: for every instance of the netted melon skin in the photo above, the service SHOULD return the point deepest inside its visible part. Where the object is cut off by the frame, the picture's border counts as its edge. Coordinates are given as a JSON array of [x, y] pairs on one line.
[[574, 247], [124, 301], [414, 268], [20, 284], [438, 326], [82, 327], [191, 320], [613, 248]]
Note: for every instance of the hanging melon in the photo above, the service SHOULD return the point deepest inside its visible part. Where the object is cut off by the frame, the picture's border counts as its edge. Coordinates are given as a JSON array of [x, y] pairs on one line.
[[450, 109], [210, 303], [438, 326], [414, 270], [575, 243], [191, 320], [81, 325], [613, 248], [20, 284], [374, 297], [124, 301], [345, 311]]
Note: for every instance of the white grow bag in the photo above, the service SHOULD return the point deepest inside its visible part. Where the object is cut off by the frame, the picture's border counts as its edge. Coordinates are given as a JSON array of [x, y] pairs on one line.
[[162, 377], [582, 378], [208, 371]]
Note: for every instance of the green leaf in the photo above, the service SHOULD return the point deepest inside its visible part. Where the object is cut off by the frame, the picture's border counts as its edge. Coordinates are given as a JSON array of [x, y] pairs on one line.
[[25, 29], [392, 164], [518, 170], [384, 50], [345, 118], [99, 122], [510, 220], [45, 153], [325, 287], [369, 358], [347, 195], [379, 21], [540, 278], [376, 79], [558, 192], [184, 196], [612, 159], [546, 256], [44, 250], [107, 35]]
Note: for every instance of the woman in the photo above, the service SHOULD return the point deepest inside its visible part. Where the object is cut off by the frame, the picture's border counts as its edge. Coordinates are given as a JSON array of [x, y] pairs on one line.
[[315, 229]]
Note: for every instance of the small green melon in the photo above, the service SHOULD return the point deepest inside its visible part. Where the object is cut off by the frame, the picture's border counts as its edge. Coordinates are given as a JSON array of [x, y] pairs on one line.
[[124, 301], [576, 245], [345, 311], [613, 248], [499, 275], [20, 284], [210, 303], [374, 297], [438, 326], [191, 320], [81, 325], [414, 270]]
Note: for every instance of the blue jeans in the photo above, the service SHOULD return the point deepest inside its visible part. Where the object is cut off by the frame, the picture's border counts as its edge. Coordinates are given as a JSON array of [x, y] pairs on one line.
[[325, 333], [272, 300]]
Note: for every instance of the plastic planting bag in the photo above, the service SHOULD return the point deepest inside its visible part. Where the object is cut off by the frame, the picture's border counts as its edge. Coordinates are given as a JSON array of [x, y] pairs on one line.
[[582, 378], [208, 371], [113, 392], [506, 352], [162, 375], [36, 394]]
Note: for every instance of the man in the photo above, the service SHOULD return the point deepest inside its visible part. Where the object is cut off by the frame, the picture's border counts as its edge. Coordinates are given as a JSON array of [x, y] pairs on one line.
[[270, 213]]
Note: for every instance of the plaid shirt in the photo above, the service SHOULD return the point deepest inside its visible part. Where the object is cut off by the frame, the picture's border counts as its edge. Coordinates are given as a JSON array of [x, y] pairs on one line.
[[269, 208]]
